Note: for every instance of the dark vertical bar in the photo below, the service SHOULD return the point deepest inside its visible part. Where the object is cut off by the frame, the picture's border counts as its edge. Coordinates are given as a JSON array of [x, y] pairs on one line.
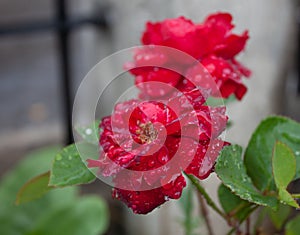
[[63, 38], [298, 49], [298, 59]]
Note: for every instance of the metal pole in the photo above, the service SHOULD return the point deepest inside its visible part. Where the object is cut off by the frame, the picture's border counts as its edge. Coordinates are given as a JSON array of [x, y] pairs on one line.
[[298, 48], [63, 38]]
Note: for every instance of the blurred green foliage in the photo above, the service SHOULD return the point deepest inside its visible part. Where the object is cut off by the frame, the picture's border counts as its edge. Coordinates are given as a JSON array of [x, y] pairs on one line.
[[59, 212]]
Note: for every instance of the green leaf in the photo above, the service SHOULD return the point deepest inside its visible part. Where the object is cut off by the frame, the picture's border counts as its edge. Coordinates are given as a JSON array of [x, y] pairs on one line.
[[284, 169], [34, 188], [29, 217], [279, 217], [286, 197], [87, 216], [89, 133], [213, 101], [233, 205], [231, 170], [228, 200], [284, 165], [69, 169], [293, 226], [258, 156], [16, 220]]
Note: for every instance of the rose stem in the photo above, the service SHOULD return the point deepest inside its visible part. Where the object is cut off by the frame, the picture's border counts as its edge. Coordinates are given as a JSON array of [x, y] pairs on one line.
[[202, 191], [205, 214], [248, 226]]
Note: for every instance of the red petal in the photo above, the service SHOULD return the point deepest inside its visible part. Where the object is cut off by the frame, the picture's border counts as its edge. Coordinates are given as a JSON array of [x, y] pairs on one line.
[[156, 75], [142, 202], [233, 45], [222, 20], [152, 34], [232, 87], [205, 158]]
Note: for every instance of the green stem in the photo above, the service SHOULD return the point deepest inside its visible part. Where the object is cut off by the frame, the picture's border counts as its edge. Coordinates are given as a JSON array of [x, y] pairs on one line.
[[297, 196], [188, 211], [230, 231], [204, 213], [260, 219], [248, 222], [209, 201]]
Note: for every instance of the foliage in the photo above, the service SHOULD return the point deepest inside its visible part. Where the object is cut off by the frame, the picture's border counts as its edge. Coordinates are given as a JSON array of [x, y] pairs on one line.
[[60, 211]]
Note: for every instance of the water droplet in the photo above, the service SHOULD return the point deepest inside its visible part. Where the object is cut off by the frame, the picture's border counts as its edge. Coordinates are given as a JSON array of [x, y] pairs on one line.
[[297, 153], [58, 157], [198, 78], [151, 163], [244, 179], [88, 131], [162, 158], [115, 195], [247, 196]]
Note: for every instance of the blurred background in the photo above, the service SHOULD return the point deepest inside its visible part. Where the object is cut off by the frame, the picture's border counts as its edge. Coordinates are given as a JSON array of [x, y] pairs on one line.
[[48, 46]]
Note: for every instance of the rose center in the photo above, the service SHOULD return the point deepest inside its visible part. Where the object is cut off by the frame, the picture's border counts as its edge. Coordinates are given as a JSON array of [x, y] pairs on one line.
[[147, 132]]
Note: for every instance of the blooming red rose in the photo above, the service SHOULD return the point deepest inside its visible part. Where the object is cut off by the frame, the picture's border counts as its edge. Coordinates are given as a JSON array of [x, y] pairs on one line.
[[146, 145], [213, 36], [212, 43]]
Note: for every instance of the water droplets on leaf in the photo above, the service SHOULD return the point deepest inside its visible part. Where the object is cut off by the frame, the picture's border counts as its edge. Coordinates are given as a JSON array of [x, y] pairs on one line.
[[58, 157], [88, 131]]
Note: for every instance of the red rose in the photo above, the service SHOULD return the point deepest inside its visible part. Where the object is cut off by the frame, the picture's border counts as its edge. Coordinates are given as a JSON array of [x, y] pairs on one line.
[[146, 145], [214, 36], [212, 43]]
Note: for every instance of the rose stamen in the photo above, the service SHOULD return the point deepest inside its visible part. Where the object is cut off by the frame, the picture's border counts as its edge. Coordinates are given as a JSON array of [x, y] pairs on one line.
[[147, 132]]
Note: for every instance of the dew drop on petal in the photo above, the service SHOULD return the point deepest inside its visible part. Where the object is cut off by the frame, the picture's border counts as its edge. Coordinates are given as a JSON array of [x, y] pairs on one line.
[[151, 163], [162, 158]]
